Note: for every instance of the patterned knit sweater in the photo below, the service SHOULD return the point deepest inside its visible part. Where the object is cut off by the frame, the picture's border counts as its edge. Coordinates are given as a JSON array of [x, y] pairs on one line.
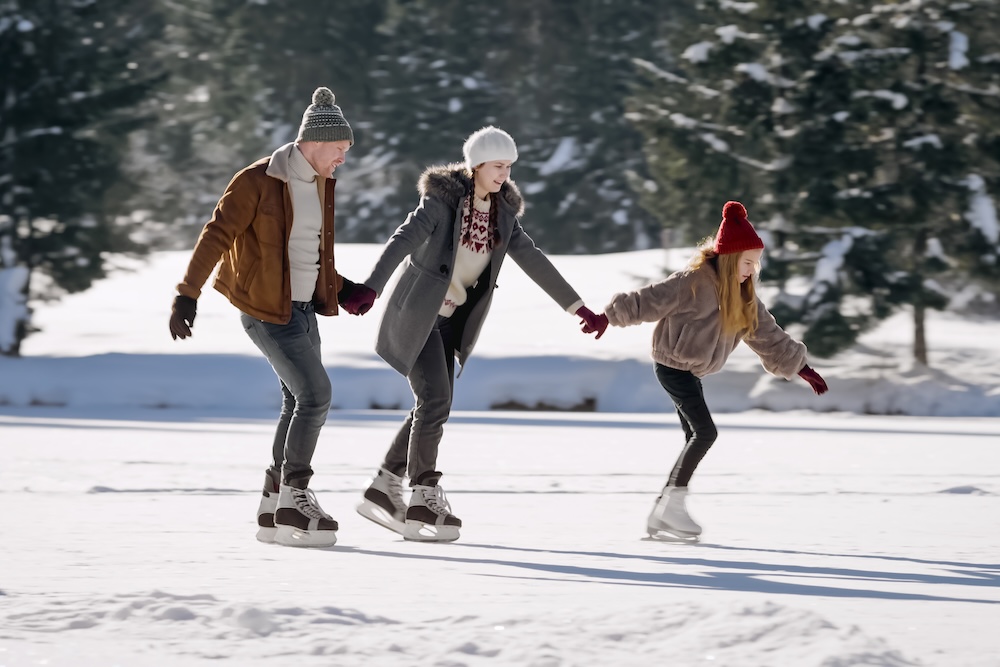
[[474, 252]]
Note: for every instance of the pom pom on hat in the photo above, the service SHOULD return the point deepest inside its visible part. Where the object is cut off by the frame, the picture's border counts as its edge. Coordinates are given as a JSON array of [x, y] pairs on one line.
[[324, 97], [323, 120], [487, 144], [736, 234]]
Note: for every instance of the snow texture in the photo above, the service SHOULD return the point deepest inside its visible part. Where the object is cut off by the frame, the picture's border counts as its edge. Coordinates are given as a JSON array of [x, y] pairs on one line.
[[982, 213], [530, 352], [132, 464], [830, 540]]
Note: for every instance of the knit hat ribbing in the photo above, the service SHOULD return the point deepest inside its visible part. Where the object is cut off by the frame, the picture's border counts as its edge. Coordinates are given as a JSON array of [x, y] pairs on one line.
[[736, 234], [487, 144], [323, 120]]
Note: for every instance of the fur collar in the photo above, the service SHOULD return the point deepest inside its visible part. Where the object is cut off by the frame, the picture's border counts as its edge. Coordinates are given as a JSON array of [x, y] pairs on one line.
[[450, 184]]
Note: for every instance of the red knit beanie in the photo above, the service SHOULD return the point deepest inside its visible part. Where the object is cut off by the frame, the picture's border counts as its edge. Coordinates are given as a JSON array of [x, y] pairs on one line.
[[736, 234]]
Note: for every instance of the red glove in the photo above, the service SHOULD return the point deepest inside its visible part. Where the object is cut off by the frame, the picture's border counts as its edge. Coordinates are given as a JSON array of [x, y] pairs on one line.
[[182, 316], [360, 300], [817, 383], [591, 322]]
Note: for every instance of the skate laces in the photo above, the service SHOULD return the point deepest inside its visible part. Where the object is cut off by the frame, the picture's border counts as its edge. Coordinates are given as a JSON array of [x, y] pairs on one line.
[[305, 502], [436, 500]]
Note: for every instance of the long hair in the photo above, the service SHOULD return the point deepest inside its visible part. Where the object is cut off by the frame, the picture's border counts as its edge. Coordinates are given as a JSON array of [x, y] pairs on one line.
[[494, 232], [737, 302]]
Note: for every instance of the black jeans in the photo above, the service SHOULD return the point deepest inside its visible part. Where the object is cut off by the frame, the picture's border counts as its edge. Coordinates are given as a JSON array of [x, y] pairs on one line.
[[699, 430]]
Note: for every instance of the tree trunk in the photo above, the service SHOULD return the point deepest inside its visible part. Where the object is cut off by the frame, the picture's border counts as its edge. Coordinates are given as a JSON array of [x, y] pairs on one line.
[[14, 313], [919, 309], [919, 334]]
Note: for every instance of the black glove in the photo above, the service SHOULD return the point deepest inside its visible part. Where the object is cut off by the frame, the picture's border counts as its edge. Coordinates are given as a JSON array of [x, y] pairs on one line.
[[182, 316]]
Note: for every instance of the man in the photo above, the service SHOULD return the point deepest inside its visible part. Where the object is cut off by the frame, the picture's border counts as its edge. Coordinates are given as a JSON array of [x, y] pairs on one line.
[[273, 232]]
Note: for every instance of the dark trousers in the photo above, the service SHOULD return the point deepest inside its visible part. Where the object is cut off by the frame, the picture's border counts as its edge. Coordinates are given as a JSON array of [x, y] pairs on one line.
[[293, 350], [699, 430], [414, 450]]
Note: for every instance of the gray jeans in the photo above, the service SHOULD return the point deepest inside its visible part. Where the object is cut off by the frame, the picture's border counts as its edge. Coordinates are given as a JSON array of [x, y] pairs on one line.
[[415, 448], [293, 350]]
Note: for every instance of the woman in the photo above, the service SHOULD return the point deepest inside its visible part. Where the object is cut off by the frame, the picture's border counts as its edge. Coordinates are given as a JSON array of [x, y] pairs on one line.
[[702, 314], [453, 244]]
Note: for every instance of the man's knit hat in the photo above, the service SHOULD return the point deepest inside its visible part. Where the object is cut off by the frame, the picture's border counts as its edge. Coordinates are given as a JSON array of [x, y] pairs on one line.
[[486, 144], [736, 234], [323, 120]]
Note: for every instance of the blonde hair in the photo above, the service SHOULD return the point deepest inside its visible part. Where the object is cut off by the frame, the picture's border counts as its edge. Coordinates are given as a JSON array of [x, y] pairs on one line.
[[737, 301]]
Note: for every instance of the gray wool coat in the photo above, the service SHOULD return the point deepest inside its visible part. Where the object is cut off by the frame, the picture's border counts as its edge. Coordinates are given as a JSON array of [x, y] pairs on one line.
[[428, 241]]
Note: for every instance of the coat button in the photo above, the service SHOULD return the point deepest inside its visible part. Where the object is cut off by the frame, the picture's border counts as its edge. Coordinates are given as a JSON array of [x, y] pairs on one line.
[[444, 269]]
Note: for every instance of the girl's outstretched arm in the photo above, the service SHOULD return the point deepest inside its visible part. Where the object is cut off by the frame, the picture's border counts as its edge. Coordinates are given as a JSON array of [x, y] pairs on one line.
[[647, 304]]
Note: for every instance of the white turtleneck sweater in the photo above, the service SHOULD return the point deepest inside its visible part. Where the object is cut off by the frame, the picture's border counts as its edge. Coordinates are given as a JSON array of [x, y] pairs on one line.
[[307, 223], [475, 248]]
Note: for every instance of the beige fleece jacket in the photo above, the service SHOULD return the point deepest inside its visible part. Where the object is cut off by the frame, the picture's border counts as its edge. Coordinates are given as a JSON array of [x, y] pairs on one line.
[[688, 334]]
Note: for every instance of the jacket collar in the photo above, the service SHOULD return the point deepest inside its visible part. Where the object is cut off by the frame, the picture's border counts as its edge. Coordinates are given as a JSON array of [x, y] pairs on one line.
[[450, 184], [277, 166]]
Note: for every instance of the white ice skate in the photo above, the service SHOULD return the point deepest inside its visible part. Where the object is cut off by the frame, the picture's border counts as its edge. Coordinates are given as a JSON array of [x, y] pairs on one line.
[[670, 520], [265, 511], [299, 521], [429, 517], [383, 502]]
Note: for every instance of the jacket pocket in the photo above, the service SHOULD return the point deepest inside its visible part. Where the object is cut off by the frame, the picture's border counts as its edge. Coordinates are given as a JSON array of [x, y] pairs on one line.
[[245, 274], [269, 226], [685, 341], [415, 285], [405, 287]]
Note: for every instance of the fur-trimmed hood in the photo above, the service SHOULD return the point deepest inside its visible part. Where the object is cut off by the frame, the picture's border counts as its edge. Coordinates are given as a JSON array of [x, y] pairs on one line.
[[450, 184]]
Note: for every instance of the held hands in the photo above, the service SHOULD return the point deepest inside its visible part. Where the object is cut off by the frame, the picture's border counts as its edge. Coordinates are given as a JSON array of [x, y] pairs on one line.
[[358, 299], [817, 383], [182, 316], [592, 323]]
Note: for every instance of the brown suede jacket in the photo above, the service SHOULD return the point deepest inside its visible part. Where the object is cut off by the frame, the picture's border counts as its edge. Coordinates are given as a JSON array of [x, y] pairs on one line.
[[688, 334], [249, 233]]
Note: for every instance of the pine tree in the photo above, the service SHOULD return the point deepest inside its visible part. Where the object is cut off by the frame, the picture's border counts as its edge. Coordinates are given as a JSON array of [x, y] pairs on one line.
[[852, 129], [241, 76], [911, 116], [71, 75]]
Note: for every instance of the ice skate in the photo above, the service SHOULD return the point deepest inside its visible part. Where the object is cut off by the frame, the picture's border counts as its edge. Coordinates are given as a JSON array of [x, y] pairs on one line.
[[428, 516], [268, 506], [383, 502], [670, 520], [299, 521]]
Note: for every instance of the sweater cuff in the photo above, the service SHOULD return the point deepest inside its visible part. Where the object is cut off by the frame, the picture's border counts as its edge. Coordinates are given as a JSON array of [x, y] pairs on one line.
[[575, 307]]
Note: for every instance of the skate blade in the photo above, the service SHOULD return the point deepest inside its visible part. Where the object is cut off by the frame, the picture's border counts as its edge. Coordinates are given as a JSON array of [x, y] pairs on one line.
[[376, 514], [673, 538], [266, 534], [418, 531], [290, 536]]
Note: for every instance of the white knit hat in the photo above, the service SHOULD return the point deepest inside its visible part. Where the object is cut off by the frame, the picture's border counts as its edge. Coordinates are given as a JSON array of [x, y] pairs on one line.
[[486, 144]]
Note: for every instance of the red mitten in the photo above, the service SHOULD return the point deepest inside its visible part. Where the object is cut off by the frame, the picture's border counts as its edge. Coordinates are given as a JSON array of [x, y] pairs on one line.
[[817, 383]]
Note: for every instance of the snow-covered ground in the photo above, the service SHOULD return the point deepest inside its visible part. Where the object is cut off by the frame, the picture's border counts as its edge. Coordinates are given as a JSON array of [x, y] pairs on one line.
[[831, 540], [132, 466], [109, 348]]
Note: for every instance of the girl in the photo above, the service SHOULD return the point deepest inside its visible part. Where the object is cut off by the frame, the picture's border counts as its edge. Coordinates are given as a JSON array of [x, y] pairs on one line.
[[702, 314], [453, 243]]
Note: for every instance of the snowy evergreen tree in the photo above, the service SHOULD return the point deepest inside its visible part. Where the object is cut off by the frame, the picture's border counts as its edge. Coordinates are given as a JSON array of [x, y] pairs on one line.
[[552, 74], [70, 74], [414, 79], [241, 76], [847, 129]]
